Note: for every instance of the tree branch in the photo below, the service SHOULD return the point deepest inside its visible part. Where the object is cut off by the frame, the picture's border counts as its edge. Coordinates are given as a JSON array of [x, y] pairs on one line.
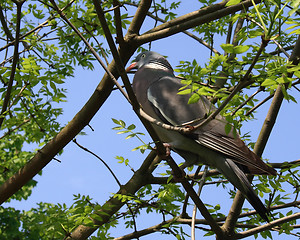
[[201, 41], [191, 20], [118, 22], [138, 19], [14, 63], [214, 172], [4, 25], [146, 231], [242, 215], [268, 226]]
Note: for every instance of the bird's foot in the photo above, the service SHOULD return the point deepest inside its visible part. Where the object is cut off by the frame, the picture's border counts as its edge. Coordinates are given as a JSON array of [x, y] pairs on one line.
[[167, 152], [177, 172], [189, 127]]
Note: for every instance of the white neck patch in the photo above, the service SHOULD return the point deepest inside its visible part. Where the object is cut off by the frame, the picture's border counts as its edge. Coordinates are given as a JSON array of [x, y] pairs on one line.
[[157, 65]]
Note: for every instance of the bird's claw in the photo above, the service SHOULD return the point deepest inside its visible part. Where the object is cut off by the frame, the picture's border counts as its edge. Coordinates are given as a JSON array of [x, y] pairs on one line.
[[167, 152], [189, 127]]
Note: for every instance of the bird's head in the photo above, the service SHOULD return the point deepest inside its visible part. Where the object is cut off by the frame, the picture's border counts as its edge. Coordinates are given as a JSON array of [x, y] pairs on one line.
[[150, 59]]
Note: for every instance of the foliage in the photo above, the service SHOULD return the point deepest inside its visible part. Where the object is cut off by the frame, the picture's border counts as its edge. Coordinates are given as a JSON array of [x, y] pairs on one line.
[[49, 221], [124, 129]]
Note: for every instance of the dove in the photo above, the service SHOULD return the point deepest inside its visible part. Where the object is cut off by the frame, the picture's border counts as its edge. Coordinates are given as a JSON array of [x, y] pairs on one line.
[[156, 89]]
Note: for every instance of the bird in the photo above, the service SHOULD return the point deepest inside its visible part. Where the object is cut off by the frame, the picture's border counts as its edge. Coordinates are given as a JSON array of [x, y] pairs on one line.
[[156, 89]]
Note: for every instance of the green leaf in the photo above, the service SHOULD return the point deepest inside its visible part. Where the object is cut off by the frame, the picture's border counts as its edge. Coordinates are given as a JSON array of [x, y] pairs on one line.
[[285, 94], [115, 121], [232, 2], [122, 123], [130, 136], [184, 92], [229, 48], [194, 98], [295, 4], [53, 86], [297, 74], [131, 127], [228, 127], [117, 128], [255, 33], [120, 158], [121, 132], [268, 82], [170, 178], [240, 49], [96, 217]]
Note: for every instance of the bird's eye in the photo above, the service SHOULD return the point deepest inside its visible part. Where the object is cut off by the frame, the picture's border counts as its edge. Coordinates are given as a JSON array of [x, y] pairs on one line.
[[143, 55]]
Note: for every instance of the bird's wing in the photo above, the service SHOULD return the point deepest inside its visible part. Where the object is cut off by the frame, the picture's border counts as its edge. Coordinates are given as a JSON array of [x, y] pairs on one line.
[[235, 149], [174, 109]]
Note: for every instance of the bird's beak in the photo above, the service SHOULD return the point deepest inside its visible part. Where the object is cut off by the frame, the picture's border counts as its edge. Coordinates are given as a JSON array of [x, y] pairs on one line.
[[132, 66]]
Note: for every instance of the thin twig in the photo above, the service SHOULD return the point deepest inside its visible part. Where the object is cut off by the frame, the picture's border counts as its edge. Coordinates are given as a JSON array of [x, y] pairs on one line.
[[223, 75], [105, 164], [99, 45], [278, 45], [253, 212], [118, 22], [146, 231], [15, 128], [245, 102], [32, 115], [4, 25], [113, 205], [259, 104], [185, 203], [18, 95], [112, 173], [63, 16], [201, 184], [37, 27]]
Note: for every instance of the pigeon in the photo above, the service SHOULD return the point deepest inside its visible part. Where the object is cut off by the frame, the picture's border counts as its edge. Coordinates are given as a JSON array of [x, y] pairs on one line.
[[156, 89]]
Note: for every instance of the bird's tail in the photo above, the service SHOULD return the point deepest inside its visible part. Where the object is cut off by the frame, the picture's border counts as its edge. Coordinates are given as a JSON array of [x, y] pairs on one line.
[[241, 182]]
